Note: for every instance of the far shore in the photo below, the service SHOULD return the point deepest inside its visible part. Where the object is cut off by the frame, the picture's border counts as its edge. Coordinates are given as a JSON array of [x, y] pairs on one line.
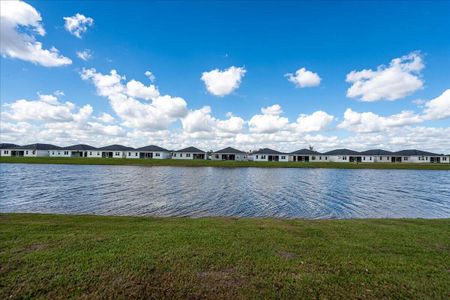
[[228, 164]]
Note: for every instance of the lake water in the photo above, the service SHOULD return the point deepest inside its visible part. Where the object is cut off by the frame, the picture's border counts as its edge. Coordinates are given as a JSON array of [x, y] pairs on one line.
[[243, 192]]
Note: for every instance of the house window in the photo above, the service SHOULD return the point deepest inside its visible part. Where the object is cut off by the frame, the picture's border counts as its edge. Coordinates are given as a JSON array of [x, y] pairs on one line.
[[283, 157], [364, 158], [53, 152], [405, 158], [263, 156], [188, 155], [66, 152], [26, 152], [326, 157], [371, 158], [344, 157], [216, 156], [256, 156], [6, 151], [90, 152], [313, 157], [129, 153], [117, 153], [157, 154]]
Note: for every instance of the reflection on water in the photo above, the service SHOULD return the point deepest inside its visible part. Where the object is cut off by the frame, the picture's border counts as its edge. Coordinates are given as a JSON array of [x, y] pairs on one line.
[[250, 192]]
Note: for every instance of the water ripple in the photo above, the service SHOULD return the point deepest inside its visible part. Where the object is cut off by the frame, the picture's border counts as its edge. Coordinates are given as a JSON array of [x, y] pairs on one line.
[[244, 192]]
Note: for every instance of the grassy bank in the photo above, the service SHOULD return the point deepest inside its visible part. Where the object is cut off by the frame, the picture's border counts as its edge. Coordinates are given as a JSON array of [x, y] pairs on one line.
[[210, 163], [88, 256]]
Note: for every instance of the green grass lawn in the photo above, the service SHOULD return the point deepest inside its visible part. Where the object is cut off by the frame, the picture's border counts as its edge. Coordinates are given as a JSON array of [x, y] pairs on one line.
[[48, 256], [210, 163]]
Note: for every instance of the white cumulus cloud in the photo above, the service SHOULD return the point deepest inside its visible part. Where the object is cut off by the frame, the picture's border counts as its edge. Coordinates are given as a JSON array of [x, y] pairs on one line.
[[77, 24], [316, 121], [84, 55], [435, 109], [22, 44], [158, 114], [269, 121], [304, 78], [398, 80], [221, 83]]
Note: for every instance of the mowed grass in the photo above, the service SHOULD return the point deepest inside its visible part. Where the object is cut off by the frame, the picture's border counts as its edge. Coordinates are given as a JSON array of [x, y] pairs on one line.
[[57, 257], [211, 163]]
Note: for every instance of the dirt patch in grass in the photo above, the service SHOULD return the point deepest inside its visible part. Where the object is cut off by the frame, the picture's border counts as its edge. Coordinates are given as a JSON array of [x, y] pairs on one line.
[[287, 255], [225, 278], [34, 247]]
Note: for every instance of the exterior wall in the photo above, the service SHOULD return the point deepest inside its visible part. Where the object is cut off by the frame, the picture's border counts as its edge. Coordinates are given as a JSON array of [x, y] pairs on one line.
[[162, 155], [382, 158], [318, 158], [265, 157], [338, 158], [367, 159], [132, 154], [60, 153], [119, 154], [238, 157], [445, 160], [35, 153], [5, 152], [183, 155], [94, 153]]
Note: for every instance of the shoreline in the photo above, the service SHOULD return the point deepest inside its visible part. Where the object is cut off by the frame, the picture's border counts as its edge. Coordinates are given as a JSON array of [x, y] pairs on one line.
[[85, 256], [223, 164]]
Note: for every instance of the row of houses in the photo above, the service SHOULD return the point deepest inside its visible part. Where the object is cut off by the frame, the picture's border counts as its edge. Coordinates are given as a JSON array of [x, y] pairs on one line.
[[229, 153]]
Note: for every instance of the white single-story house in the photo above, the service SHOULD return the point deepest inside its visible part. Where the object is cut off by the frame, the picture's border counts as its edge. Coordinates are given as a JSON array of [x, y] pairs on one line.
[[266, 154], [306, 155], [79, 150], [189, 153], [229, 153], [33, 150], [377, 155], [345, 155], [7, 148], [116, 151], [417, 156], [151, 151]]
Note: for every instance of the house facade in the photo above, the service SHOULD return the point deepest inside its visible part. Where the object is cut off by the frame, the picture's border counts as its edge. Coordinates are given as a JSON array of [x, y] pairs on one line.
[[7, 148], [151, 152], [347, 155], [266, 154], [307, 155], [417, 156], [33, 150], [189, 153], [116, 151], [229, 153]]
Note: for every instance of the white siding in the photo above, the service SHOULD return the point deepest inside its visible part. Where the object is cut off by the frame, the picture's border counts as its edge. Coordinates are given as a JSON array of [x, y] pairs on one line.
[[5, 152], [182, 155], [60, 153], [238, 157], [132, 154], [94, 153]]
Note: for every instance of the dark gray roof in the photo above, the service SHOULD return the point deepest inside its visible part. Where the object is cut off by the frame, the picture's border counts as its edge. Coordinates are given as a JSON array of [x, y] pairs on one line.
[[152, 148], [376, 152], [116, 148], [191, 150], [8, 146], [342, 152], [414, 152], [267, 151], [79, 147], [39, 147], [305, 152], [230, 150]]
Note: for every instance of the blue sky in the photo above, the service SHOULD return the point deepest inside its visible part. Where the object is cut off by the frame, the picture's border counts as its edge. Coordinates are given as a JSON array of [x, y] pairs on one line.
[[179, 41]]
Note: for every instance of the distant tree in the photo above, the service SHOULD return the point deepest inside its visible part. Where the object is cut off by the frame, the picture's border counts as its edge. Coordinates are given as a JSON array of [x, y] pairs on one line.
[[311, 148]]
